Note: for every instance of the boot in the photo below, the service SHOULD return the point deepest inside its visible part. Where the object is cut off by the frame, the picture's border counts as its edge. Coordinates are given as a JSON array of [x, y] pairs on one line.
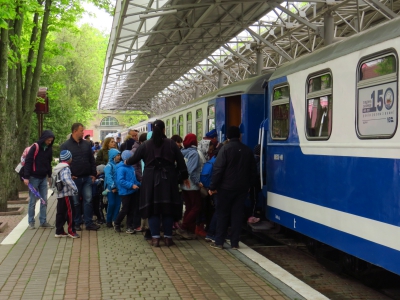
[[155, 242], [169, 242], [200, 231]]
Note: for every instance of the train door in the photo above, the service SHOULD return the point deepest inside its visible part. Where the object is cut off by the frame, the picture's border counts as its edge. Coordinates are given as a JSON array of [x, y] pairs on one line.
[[233, 111], [220, 118]]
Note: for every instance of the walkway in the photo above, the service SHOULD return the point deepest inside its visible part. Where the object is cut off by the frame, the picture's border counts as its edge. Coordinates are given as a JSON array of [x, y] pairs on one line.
[[106, 265]]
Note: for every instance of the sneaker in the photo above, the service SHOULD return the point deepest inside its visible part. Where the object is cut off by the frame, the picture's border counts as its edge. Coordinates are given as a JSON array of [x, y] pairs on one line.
[[147, 235], [139, 229], [31, 226], [183, 233], [109, 225], [74, 235], [92, 227], [210, 238], [130, 230], [215, 246], [235, 247], [46, 225], [61, 235], [117, 228], [78, 228]]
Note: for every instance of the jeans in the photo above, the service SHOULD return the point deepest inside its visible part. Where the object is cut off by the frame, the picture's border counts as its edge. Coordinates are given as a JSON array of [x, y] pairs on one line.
[[212, 228], [230, 206], [84, 185], [40, 184], [155, 222], [114, 204]]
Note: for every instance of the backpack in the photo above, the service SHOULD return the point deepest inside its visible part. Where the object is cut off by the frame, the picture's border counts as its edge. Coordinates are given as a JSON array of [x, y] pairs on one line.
[[20, 168], [206, 172], [56, 182]]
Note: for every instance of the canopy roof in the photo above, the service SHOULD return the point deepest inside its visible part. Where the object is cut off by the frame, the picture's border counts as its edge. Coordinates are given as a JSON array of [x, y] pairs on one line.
[[162, 54]]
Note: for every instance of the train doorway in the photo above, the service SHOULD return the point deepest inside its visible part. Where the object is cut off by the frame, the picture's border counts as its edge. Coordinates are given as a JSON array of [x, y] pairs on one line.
[[233, 111]]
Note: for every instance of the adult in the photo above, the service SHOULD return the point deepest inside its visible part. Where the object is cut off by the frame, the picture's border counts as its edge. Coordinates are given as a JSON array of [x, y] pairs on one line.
[[87, 138], [102, 155], [96, 148], [159, 200], [234, 173], [135, 138], [118, 142], [191, 195], [36, 171], [123, 145], [83, 170]]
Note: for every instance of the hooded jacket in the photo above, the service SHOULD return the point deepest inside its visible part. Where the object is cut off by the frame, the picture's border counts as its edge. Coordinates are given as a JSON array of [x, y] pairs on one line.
[[69, 188], [43, 158], [126, 178], [110, 171], [83, 163], [194, 166]]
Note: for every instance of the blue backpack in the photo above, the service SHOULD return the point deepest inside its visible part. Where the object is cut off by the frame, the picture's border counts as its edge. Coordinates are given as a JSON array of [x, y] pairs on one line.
[[206, 172]]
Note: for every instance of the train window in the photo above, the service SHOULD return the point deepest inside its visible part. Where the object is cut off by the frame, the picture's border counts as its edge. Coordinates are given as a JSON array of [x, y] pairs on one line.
[[199, 124], [211, 117], [280, 112], [173, 126], [377, 96], [319, 107], [189, 123], [167, 128], [180, 125]]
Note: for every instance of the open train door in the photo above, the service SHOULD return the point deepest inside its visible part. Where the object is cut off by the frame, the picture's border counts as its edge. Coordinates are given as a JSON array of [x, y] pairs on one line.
[[228, 113]]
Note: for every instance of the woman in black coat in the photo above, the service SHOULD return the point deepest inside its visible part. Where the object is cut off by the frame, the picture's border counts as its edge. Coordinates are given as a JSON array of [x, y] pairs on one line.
[[159, 195]]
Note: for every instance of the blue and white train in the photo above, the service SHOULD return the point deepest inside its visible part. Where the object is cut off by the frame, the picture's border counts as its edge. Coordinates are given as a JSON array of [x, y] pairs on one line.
[[330, 147]]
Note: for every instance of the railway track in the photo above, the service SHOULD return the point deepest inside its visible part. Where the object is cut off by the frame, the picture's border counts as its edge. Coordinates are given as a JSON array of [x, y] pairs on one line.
[[321, 269]]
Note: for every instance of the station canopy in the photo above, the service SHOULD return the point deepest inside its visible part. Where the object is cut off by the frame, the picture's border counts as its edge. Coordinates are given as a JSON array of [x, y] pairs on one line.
[[164, 53]]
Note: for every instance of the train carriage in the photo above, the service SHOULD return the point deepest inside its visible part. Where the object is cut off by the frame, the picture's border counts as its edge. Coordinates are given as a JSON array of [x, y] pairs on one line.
[[331, 148]]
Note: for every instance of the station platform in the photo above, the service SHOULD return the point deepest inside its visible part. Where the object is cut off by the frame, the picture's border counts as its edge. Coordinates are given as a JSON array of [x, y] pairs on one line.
[[109, 265]]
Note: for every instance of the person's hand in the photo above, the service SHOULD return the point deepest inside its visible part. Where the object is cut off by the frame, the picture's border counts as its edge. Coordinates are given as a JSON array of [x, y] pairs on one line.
[[93, 178], [74, 177], [26, 181], [135, 187], [210, 192], [186, 182], [114, 190], [49, 180], [200, 184]]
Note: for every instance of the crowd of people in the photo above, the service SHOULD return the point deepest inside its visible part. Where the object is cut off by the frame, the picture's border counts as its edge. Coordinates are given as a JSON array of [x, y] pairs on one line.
[[161, 186]]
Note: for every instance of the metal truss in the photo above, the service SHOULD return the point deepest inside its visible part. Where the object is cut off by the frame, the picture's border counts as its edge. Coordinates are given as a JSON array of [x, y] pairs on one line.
[[163, 53]]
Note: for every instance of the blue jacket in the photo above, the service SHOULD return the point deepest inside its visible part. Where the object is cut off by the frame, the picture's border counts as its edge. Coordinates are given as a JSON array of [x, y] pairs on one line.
[[110, 171], [126, 178], [194, 166]]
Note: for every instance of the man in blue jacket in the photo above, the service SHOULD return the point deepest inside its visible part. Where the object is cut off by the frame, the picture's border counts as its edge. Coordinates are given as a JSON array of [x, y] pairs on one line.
[[83, 169], [36, 171], [234, 173]]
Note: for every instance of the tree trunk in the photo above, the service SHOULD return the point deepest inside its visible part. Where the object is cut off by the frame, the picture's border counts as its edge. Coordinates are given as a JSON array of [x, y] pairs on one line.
[[4, 182]]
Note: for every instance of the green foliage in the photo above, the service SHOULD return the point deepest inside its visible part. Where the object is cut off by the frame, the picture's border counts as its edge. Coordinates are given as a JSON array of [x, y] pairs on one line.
[[72, 70], [133, 117], [386, 66]]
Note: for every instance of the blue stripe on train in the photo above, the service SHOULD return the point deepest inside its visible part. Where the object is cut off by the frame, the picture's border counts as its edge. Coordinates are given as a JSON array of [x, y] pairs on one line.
[[377, 254]]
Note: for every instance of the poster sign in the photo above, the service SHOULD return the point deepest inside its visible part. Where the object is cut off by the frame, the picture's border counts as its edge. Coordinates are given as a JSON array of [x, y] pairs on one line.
[[377, 110]]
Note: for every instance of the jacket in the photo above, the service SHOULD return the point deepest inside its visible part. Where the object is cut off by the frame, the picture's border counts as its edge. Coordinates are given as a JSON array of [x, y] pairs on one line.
[[82, 157], [137, 166], [126, 178], [69, 188], [110, 171], [194, 166], [43, 158], [235, 167]]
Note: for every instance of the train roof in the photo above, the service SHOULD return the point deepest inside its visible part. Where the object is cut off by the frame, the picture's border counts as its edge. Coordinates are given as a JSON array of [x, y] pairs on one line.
[[380, 33], [251, 85]]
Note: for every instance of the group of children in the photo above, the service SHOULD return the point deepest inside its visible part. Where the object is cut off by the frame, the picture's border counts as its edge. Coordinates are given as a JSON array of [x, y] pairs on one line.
[[120, 185]]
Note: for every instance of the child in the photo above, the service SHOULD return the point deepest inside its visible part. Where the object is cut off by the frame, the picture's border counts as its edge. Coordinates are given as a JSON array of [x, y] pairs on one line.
[[114, 201], [65, 203], [127, 185], [97, 197]]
